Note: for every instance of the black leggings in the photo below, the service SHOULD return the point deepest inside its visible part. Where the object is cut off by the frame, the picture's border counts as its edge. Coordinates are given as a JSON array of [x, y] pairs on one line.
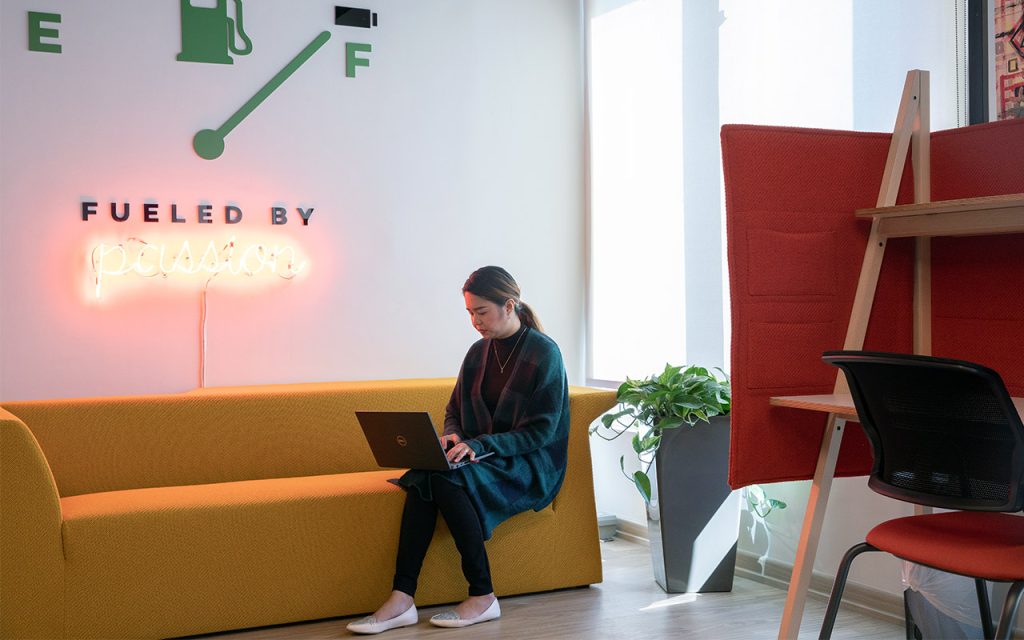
[[418, 521]]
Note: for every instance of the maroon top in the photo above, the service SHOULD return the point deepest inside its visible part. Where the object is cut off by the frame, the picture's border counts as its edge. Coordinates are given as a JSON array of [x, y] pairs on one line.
[[499, 369]]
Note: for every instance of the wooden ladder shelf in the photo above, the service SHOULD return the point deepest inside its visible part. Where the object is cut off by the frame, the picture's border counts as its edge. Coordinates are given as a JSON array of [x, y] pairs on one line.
[[922, 220]]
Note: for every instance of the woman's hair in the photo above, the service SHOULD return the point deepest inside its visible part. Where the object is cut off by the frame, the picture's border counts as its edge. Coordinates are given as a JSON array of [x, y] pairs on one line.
[[498, 286]]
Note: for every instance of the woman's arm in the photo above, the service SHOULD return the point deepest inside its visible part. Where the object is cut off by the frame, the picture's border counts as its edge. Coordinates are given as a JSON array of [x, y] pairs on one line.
[[453, 412]]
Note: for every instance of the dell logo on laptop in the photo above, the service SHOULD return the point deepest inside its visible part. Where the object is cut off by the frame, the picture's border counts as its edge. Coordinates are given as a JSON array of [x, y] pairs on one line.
[[401, 441]]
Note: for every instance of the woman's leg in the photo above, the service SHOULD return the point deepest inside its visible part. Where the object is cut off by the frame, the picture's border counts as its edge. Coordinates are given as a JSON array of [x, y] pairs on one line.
[[467, 532], [419, 517], [418, 520]]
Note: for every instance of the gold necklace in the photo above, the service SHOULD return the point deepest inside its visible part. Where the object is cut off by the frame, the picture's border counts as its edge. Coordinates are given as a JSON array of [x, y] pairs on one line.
[[497, 358]]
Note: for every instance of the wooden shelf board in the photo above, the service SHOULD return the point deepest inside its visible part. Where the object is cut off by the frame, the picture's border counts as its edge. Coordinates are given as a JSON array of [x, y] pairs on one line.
[[965, 205], [961, 223], [841, 404]]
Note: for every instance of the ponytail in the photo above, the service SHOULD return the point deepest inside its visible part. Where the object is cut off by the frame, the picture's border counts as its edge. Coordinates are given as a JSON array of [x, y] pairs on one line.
[[528, 317]]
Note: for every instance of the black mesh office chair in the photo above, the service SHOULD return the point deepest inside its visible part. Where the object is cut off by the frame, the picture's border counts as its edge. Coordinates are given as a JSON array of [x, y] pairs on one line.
[[945, 434]]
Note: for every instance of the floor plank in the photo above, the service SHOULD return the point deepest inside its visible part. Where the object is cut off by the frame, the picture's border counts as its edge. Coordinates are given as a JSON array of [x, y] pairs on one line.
[[628, 604]]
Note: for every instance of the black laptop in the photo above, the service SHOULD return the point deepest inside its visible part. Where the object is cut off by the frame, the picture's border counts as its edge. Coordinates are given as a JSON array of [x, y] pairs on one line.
[[406, 440]]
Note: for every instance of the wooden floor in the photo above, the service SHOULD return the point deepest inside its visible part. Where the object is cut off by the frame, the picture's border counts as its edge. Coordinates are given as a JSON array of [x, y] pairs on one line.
[[627, 605]]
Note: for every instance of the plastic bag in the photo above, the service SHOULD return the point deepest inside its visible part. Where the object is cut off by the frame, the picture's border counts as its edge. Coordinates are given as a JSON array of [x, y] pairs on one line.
[[952, 599]]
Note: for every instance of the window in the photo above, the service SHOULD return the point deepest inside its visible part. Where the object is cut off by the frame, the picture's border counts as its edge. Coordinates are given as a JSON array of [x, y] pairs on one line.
[[663, 76], [637, 272]]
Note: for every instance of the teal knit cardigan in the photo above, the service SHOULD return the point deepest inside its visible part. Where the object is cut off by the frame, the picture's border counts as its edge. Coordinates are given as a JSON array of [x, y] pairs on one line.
[[528, 433]]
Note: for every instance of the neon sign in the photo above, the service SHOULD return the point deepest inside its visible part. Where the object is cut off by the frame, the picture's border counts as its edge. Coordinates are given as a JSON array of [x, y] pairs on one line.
[[181, 261]]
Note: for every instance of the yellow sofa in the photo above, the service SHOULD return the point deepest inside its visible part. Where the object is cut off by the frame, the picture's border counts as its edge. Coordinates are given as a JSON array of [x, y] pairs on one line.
[[226, 508]]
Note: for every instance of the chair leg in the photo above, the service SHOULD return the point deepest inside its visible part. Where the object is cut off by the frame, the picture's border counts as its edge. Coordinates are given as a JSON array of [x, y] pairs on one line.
[[984, 608], [1009, 615], [838, 586], [908, 619]]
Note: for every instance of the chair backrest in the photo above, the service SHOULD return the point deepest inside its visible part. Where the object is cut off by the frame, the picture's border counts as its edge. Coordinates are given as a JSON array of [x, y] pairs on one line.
[[945, 433]]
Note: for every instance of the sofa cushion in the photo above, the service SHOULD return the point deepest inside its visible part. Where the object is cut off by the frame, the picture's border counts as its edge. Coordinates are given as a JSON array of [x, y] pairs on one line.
[[250, 553], [225, 555]]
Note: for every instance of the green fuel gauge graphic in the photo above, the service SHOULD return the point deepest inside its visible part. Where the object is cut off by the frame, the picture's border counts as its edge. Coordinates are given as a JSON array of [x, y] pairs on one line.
[[209, 143], [208, 34], [211, 35]]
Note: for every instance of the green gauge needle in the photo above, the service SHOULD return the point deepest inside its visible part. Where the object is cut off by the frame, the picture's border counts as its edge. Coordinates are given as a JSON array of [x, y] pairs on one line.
[[209, 143]]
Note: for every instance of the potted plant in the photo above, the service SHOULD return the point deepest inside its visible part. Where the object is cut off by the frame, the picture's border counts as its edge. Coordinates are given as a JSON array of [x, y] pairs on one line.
[[680, 427]]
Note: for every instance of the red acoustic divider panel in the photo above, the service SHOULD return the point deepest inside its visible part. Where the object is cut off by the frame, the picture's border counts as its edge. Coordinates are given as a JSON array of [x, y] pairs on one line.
[[978, 283], [795, 252]]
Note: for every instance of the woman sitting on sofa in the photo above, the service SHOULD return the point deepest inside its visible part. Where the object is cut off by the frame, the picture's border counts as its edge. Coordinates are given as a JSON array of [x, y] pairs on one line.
[[511, 399]]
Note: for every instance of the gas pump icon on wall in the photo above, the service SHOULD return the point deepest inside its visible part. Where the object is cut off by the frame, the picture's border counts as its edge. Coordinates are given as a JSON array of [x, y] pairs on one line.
[[209, 35]]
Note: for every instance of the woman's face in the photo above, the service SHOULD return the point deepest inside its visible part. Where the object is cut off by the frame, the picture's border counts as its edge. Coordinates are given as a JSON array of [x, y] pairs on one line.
[[491, 320]]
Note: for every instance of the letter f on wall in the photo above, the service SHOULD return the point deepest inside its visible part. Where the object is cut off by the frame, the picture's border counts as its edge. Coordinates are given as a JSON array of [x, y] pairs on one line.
[[351, 61]]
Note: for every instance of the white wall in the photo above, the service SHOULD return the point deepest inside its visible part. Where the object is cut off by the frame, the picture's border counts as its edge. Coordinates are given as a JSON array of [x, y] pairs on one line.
[[459, 146]]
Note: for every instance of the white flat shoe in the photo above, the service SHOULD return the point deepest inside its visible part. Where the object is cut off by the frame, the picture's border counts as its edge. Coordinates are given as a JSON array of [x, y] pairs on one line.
[[452, 620], [370, 624]]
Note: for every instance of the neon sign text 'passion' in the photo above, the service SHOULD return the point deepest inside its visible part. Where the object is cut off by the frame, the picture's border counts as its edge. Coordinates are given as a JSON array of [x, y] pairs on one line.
[[146, 259]]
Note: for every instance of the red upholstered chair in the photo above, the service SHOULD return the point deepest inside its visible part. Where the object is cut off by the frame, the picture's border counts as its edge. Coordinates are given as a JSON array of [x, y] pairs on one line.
[[945, 434]]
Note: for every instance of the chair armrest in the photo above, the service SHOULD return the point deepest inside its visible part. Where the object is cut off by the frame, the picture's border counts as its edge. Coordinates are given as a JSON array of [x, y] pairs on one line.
[[31, 551]]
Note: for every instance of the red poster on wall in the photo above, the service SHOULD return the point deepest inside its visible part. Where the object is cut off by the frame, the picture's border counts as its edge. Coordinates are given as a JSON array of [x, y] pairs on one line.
[[1009, 61]]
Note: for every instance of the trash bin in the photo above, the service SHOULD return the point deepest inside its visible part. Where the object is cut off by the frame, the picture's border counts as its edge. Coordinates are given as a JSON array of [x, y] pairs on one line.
[[941, 605]]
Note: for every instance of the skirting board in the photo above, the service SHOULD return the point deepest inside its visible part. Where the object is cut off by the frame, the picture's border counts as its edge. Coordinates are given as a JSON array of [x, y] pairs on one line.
[[631, 531], [867, 600]]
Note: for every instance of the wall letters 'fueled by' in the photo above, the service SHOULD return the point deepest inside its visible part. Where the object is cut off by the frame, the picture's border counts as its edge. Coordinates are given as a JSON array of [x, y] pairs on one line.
[[203, 213]]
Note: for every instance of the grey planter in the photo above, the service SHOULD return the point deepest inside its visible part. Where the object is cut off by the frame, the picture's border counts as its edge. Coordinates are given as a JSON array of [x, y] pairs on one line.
[[694, 517]]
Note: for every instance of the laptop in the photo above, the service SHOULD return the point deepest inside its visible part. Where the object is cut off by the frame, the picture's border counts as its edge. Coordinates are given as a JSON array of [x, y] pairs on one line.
[[406, 440]]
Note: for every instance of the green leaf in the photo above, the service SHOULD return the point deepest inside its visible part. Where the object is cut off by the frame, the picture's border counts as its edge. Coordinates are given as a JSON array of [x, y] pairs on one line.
[[609, 418], [622, 467], [760, 503], [668, 374], [643, 485], [649, 443], [689, 401], [671, 423]]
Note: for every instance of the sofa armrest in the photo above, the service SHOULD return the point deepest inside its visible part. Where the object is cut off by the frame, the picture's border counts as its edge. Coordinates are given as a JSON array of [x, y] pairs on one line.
[[578, 490], [31, 552]]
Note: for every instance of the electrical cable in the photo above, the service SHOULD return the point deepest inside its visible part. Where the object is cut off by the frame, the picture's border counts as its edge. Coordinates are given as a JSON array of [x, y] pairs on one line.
[[202, 332]]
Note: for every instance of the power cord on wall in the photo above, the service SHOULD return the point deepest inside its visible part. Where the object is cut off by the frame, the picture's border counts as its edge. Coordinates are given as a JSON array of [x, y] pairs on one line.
[[289, 273], [202, 332]]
